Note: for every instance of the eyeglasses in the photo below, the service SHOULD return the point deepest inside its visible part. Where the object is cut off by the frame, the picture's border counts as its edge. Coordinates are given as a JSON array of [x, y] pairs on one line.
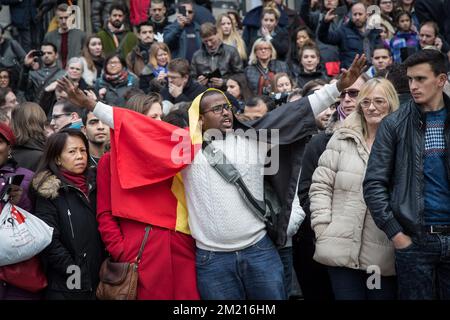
[[114, 62], [352, 93], [57, 116], [219, 108], [377, 102], [262, 49]]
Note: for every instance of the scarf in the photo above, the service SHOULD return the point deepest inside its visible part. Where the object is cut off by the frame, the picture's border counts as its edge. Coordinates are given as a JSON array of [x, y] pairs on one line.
[[341, 113], [156, 71], [115, 30], [77, 180], [116, 79]]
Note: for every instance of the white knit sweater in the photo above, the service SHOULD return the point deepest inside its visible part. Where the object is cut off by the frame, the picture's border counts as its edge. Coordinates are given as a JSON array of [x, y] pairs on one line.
[[219, 218]]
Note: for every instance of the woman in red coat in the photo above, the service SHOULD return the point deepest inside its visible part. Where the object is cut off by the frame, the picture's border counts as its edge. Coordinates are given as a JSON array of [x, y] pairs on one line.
[[167, 267]]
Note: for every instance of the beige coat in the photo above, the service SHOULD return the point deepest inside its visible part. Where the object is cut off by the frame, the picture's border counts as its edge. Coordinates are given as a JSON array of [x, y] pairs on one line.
[[346, 233]]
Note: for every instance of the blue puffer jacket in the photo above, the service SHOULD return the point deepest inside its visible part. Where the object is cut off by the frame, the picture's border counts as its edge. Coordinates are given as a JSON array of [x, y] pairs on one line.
[[349, 40], [176, 39]]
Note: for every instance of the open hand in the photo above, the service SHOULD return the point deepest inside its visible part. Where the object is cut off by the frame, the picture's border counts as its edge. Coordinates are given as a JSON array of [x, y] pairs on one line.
[[352, 74], [329, 16], [75, 95]]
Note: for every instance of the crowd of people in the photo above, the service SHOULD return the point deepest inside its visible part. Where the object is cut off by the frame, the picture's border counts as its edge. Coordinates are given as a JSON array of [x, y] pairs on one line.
[[356, 91]]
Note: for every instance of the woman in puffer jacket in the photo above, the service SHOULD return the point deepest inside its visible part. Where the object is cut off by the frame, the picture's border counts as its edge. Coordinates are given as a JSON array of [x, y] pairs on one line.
[[359, 256]]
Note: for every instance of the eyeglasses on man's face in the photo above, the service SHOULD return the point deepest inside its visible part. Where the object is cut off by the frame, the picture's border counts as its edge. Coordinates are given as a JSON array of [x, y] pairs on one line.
[[219, 108], [57, 116], [352, 93]]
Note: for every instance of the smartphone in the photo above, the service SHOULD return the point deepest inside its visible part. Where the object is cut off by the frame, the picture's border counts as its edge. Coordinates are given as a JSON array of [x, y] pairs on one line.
[[15, 180], [182, 10], [38, 53], [11, 180]]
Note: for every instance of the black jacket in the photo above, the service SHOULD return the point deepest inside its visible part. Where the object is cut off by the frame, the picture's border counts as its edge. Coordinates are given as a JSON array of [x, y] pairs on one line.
[[190, 92], [29, 154], [302, 77], [296, 124], [394, 182], [76, 239], [226, 59]]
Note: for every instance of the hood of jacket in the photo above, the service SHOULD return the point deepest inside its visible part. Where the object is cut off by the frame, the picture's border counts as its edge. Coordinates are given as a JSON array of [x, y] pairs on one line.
[[32, 144], [47, 184], [352, 129]]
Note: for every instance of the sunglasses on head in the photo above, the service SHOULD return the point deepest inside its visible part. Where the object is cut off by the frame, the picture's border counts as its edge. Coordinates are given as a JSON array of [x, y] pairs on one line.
[[352, 93]]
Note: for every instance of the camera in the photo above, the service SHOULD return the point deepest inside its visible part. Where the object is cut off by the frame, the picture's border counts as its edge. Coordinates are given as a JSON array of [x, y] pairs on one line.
[[279, 98], [37, 53]]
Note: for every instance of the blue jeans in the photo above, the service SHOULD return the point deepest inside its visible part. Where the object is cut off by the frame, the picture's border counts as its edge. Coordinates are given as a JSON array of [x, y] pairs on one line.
[[351, 284], [287, 260], [254, 273], [423, 269]]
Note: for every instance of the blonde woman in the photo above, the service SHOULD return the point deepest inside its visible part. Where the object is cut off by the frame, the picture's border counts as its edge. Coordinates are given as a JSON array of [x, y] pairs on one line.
[[347, 240], [154, 75], [229, 34], [262, 67]]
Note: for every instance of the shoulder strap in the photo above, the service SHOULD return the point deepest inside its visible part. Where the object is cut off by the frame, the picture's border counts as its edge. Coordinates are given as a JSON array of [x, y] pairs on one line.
[[217, 159], [144, 241]]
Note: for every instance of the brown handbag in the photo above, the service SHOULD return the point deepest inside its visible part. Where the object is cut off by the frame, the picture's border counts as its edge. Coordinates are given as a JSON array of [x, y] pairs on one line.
[[118, 280]]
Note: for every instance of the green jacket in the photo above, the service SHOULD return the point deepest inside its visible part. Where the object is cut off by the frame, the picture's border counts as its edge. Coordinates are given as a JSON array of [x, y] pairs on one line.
[[128, 42]]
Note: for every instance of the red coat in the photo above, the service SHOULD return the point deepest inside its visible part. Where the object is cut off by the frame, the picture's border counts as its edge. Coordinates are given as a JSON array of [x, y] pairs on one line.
[[139, 11], [167, 267]]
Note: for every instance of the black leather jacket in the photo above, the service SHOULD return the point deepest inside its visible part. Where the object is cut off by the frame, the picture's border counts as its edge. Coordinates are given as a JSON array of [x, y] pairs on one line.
[[394, 182]]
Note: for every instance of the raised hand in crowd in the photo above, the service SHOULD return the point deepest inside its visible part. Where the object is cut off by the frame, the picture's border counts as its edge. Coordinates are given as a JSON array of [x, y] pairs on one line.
[[330, 15], [161, 76], [264, 31], [29, 58], [51, 87], [174, 90], [75, 95], [182, 20], [438, 43], [91, 94], [202, 80], [350, 75], [217, 82]]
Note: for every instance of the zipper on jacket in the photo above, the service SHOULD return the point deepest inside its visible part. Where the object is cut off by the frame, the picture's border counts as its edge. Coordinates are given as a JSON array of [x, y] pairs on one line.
[[69, 214], [84, 195], [421, 176]]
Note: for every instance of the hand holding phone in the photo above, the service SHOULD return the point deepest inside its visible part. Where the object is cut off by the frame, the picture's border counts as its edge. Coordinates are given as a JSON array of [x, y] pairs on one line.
[[37, 53], [12, 190], [182, 11]]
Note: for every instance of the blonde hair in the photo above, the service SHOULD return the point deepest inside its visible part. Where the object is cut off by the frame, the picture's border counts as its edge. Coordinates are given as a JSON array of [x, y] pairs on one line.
[[253, 59], [389, 93], [154, 52], [234, 39], [142, 103]]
